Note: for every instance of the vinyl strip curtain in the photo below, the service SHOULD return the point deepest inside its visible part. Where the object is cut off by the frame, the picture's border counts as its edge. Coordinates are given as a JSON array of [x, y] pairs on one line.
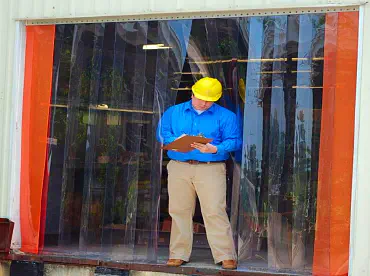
[[109, 93], [105, 175], [279, 163]]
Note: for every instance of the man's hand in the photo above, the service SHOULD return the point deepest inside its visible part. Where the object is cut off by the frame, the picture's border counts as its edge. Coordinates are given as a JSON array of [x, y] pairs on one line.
[[208, 148]]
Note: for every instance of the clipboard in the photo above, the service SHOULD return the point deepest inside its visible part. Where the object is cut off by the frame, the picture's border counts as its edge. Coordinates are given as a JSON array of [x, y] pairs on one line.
[[183, 144]]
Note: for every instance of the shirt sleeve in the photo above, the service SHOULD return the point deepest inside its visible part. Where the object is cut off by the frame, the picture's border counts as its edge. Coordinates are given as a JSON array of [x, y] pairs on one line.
[[164, 129], [231, 135]]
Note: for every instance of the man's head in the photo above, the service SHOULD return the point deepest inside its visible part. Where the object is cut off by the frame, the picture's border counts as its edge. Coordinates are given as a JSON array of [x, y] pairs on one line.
[[206, 91]]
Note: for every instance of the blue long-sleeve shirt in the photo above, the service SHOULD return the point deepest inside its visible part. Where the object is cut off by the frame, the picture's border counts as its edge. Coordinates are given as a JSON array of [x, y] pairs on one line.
[[217, 123]]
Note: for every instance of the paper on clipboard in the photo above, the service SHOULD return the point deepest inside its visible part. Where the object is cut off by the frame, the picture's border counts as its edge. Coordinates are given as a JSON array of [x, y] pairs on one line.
[[183, 144]]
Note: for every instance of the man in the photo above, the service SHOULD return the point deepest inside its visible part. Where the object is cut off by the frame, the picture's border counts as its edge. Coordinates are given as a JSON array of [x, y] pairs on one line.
[[200, 172]]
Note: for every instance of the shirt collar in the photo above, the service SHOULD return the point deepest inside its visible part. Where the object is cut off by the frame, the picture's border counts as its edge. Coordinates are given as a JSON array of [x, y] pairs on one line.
[[189, 106]]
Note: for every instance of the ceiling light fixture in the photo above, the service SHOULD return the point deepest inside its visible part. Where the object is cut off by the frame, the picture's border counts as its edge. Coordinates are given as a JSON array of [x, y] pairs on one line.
[[155, 47]]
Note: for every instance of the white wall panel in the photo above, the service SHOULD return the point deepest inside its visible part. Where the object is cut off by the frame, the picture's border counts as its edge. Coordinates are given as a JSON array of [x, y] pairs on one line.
[[16, 133], [191, 5], [101, 6], [221, 5], [62, 7], [360, 223], [39, 9], [163, 6], [6, 46], [24, 8], [50, 8], [86, 7]]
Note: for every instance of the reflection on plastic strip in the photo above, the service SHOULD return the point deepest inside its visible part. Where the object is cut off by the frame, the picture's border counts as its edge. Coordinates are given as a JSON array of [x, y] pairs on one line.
[[263, 60], [302, 71], [189, 73], [272, 72], [181, 89], [284, 72], [253, 60], [314, 58], [213, 61], [307, 87], [108, 109]]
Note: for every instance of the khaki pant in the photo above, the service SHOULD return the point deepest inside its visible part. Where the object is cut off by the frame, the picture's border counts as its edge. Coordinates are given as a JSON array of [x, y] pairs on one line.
[[208, 181]]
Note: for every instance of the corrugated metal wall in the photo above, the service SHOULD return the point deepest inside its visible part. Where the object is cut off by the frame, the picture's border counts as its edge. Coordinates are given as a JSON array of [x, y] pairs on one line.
[[87, 8], [7, 31], [360, 223]]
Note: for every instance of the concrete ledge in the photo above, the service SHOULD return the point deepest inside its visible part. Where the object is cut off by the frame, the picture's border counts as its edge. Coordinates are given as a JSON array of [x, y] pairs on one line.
[[97, 267], [146, 273], [67, 270]]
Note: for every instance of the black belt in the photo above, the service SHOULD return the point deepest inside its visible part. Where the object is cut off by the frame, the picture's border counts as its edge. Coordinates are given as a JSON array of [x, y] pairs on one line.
[[196, 162]]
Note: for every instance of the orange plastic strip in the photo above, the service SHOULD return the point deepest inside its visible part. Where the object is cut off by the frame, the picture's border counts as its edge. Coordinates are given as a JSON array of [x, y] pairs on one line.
[[44, 202], [36, 101], [331, 253]]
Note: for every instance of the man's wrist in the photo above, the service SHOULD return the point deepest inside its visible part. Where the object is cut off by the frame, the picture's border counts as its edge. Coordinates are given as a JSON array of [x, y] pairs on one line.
[[214, 149], [220, 149]]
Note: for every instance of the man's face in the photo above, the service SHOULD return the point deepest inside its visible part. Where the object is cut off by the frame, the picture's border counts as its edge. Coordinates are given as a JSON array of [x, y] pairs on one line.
[[200, 104]]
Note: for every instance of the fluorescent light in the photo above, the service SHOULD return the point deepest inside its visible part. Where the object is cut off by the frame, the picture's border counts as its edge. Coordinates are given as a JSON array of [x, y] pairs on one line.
[[152, 46], [155, 47]]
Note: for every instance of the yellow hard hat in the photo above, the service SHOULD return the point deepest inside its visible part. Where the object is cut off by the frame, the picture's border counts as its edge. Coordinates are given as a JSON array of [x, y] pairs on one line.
[[207, 89]]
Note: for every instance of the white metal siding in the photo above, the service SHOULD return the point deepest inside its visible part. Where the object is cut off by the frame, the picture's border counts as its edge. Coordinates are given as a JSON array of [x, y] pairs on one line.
[[42, 9], [6, 64], [360, 223]]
